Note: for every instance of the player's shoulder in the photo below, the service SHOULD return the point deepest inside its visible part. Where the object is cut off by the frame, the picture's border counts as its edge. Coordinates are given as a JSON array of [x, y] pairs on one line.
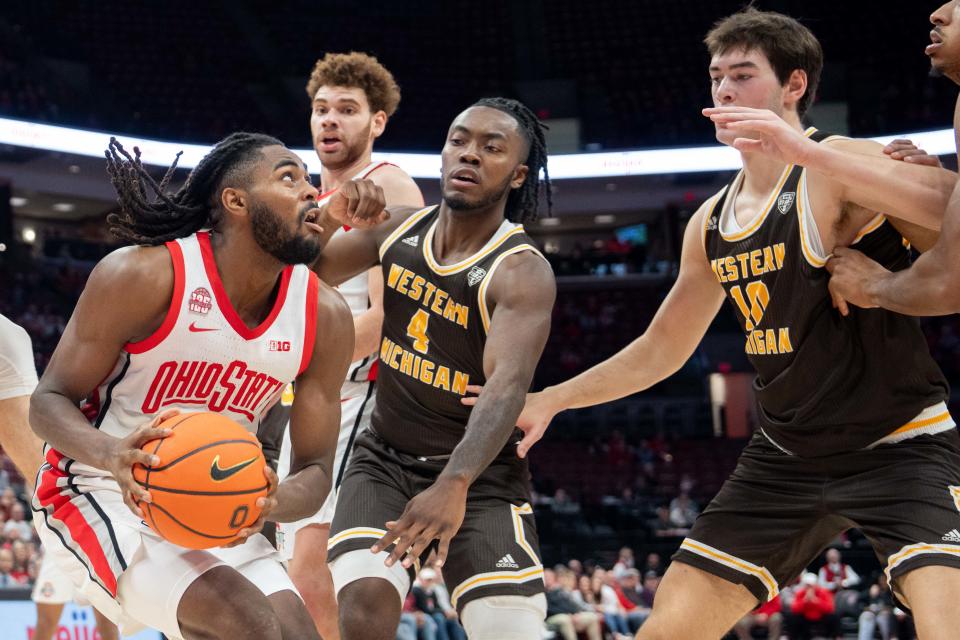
[[387, 172], [524, 274], [139, 279], [14, 340], [397, 185], [332, 309]]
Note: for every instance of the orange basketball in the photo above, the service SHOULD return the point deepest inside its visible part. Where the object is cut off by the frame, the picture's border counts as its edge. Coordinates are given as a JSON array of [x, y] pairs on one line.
[[206, 487]]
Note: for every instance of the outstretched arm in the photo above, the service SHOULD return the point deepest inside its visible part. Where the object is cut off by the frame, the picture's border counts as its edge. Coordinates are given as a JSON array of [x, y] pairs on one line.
[[669, 341], [928, 288], [523, 291], [863, 174]]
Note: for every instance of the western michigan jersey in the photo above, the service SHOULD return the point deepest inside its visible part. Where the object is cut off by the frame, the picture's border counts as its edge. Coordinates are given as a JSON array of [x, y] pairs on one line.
[[435, 326], [203, 357], [825, 383]]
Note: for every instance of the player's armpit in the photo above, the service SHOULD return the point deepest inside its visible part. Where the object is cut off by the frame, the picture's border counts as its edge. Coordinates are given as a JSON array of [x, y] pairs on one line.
[[315, 415]]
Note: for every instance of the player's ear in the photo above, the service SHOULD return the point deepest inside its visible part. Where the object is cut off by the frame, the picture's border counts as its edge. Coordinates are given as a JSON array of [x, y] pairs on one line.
[[519, 176], [233, 201], [378, 123], [796, 87]]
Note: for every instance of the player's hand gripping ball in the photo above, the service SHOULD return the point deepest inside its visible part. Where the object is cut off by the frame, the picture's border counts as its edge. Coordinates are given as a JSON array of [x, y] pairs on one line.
[[205, 488]]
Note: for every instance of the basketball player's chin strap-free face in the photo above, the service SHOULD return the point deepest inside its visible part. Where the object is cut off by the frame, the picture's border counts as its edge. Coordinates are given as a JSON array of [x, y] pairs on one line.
[[342, 125], [740, 78], [281, 204], [482, 159]]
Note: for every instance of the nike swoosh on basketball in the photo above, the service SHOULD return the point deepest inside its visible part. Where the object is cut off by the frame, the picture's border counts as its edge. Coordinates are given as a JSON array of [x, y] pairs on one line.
[[219, 474], [194, 328]]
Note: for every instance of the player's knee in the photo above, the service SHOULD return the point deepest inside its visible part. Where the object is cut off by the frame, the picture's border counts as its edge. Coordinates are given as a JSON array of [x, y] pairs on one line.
[[357, 599], [505, 617], [363, 567]]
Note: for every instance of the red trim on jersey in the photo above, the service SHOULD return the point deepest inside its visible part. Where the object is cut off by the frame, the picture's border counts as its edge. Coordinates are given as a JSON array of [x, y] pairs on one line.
[[83, 535], [327, 193], [223, 301], [372, 373], [369, 171], [176, 301], [310, 331]]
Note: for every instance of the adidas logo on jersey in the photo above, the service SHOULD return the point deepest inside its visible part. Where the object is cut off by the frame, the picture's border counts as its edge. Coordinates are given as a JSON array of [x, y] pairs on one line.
[[712, 223], [413, 241], [952, 536], [507, 562], [785, 201], [475, 275]]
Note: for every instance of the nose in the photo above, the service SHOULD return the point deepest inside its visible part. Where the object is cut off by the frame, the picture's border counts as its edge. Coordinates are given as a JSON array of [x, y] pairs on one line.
[[725, 93], [329, 120], [941, 16], [469, 155], [311, 193]]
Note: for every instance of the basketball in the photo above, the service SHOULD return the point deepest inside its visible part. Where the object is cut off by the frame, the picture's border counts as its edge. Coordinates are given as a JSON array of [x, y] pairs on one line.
[[207, 483]]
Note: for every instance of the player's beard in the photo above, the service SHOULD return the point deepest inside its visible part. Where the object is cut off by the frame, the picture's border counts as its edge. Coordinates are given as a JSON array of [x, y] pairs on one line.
[[274, 237], [459, 202], [353, 150]]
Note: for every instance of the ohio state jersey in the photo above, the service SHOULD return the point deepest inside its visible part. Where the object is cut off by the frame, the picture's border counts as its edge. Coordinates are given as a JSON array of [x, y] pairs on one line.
[[203, 357], [356, 292]]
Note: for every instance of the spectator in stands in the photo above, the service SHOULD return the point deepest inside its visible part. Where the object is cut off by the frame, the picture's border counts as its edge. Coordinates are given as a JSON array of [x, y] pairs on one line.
[[606, 603], [564, 615], [22, 551], [813, 610], [648, 591], [625, 562], [7, 579], [841, 580], [877, 612], [653, 563], [415, 625], [628, 592], [563, 504], [7, 499], [576, 567], [766, 616], [432, 599], [683, 511], [17, 528], [663, 526]]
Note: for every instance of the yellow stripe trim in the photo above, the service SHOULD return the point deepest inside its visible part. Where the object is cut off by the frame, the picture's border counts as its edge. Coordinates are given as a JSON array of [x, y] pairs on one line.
[[403, 228], [762, 574], [917, 549], [495, 578], [463, 264], [919, 424], [355, 533], [814, 260], [872, 226], [487, 279], [758, 220], [518, 530]]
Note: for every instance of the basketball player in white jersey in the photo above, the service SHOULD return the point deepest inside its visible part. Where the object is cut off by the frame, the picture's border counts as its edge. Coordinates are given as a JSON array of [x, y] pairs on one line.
[[353, 97], [18, 379], [216, 313]]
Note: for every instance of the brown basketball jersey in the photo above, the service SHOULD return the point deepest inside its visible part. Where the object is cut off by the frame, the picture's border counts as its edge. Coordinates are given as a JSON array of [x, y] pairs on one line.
[[825, 383], [434, 331]]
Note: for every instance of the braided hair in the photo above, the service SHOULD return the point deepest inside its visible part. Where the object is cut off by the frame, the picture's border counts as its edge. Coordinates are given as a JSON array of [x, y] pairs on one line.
[[153, 219], [523, 203]]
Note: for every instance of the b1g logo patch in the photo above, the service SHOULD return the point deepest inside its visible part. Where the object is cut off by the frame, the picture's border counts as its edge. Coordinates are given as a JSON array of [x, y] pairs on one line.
[[785, 201], [475, 275], [200, 301], [280, 345]]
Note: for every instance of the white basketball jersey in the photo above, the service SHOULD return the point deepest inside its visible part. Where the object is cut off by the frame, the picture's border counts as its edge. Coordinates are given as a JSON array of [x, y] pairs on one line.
[[357, 292], [18, 375], [203, 357]]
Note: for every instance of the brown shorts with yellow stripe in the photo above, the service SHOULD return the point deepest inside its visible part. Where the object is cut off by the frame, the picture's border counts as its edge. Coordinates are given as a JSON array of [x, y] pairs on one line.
[[777, 512], [495, 552]]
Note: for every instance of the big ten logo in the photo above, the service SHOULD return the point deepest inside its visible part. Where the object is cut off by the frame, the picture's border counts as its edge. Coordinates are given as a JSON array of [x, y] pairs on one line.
[[200, 301], [279, 345]]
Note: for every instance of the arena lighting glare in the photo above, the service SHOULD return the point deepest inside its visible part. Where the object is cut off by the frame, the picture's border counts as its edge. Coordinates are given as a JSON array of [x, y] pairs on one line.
[[424, 165]]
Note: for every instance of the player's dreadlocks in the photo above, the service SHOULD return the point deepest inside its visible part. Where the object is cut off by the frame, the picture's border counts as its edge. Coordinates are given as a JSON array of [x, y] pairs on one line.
[[523, 203], [155, 218]]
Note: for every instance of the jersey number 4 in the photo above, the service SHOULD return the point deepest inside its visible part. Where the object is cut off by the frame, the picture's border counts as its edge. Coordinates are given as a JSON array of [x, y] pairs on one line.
[[417, 329]]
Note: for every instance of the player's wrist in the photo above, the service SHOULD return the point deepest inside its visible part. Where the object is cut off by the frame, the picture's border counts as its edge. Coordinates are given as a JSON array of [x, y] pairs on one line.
[[457, 481]]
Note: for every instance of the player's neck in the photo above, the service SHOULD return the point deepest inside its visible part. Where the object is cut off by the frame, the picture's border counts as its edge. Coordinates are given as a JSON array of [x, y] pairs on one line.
[[331, 179], [761, 173], [249, 275], [461, 234]]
